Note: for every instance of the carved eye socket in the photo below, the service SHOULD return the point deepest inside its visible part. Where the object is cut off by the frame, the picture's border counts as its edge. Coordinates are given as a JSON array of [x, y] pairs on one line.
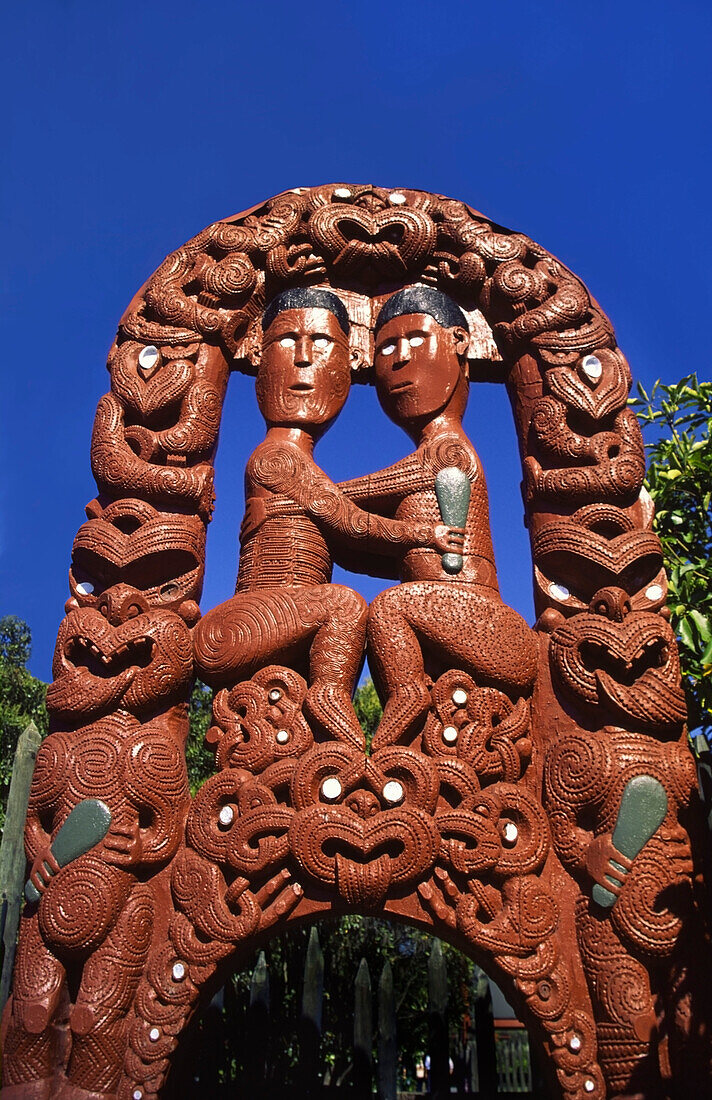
[[322, 342], [416, 341], [387, 349], [287, 342]]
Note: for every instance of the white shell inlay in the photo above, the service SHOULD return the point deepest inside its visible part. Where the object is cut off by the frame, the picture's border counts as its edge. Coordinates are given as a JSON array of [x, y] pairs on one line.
[[274, 695], [510, 832], [575, 1042], [148, 357], [178, 972], [227, 815], [589, 1085], [592, 367], [342, 193], [154, 1034], [450, 734], [282, 737], [654, 592], [331, 788], [85, 588], [459, 697], [137, 1094], [397, 198], [559, 592], [393, 792]]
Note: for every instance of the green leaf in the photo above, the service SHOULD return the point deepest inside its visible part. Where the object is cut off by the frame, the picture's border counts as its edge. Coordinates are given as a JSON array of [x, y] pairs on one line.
[[703, 625]]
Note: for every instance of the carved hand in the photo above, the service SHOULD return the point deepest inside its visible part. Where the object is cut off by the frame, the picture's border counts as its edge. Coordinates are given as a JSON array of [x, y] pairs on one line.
[[600, 865], [449, 540], [44, 868], [123, 845]]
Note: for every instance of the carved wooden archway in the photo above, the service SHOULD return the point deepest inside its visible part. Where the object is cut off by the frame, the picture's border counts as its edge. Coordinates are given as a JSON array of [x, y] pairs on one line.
[[505, 805]]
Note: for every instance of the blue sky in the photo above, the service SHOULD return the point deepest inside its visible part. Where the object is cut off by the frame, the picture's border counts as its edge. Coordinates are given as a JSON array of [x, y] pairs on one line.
[[131, 126]]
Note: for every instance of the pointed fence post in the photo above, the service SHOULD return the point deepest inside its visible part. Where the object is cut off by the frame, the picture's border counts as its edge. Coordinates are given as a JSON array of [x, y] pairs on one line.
[[484, 1036], [363, 1034], [437, 1024], [257, 1030], [310, 1019], [12, 851], [387, 1042]]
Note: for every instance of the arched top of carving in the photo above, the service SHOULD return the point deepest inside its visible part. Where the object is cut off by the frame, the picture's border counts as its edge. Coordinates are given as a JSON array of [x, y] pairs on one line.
[[366, 242]]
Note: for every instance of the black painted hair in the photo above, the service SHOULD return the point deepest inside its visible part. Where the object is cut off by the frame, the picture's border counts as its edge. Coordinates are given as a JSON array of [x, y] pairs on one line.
[[423, 299], [306, 297]]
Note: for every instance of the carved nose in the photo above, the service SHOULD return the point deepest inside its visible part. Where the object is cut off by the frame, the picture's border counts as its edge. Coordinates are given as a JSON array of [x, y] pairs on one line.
[[302, 353], [363, 803], [402, 350], [121, 603], [612, 603]]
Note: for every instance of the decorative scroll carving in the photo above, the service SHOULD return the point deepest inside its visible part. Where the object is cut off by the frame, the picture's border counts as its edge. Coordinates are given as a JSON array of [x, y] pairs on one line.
[[529, 793]]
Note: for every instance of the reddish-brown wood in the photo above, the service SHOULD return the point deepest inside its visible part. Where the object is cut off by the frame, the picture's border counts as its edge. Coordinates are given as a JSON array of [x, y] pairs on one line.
[[529, 794]]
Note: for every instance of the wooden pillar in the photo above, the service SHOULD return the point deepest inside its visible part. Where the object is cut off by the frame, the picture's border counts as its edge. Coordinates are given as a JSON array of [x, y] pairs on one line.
[[12, 850]]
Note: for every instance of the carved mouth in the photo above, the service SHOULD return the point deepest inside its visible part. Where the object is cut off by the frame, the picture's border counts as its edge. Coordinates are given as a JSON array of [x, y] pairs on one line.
[[651, 654], [302, 387], [82, 652], [400, 386]]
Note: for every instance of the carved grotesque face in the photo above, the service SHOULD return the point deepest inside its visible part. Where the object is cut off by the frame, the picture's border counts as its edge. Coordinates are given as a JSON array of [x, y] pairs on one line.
[[418, 366], [304, 374]]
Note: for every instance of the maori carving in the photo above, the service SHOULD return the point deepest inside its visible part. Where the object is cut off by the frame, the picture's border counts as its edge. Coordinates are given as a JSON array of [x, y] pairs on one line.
[[529, 793]]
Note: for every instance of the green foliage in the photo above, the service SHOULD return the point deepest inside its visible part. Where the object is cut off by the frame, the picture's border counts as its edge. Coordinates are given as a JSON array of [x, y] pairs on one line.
[[680, 482], [199, 757], [22, 697], [368, 709]]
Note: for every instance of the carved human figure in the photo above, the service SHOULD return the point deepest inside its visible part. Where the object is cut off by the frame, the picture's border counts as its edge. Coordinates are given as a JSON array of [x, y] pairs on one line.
[[285, 607], [434, 618], [130, 649]]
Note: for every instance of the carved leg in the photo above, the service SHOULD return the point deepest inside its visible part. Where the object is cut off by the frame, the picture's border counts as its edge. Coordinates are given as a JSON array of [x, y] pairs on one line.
[[29, 1047], [335, 659], [624, 1009], [109, 982], [460, 625]]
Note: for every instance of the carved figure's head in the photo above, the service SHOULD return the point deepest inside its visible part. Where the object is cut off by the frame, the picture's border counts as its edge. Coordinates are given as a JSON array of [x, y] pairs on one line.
[[304, 374], [420, 358]]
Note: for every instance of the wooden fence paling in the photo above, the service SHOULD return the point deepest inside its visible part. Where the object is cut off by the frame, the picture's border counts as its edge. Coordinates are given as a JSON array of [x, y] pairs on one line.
[[484, 1037], [437, 1024], [257, 1030], [387, 1041], [310, 1018], [363, 1033], [12, 851]]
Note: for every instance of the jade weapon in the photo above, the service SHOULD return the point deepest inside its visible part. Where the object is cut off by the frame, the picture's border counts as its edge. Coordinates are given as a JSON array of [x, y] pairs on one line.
[[87, 824], [453, 488]]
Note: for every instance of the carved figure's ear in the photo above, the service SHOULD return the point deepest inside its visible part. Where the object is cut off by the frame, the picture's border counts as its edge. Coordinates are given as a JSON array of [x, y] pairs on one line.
[[354, 358], [461, 339]]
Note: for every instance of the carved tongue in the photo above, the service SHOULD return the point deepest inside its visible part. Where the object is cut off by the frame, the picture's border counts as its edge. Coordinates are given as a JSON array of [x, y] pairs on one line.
[[69, 694], [363, 883], [652, 700]]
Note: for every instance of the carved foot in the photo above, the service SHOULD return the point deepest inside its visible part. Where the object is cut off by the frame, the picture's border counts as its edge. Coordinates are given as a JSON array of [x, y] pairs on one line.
[[331, 709], [406, 705]]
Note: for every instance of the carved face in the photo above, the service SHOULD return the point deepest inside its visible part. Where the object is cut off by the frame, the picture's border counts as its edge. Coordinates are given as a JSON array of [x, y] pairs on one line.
[[121, 655], [304, 374], [417, 365]]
